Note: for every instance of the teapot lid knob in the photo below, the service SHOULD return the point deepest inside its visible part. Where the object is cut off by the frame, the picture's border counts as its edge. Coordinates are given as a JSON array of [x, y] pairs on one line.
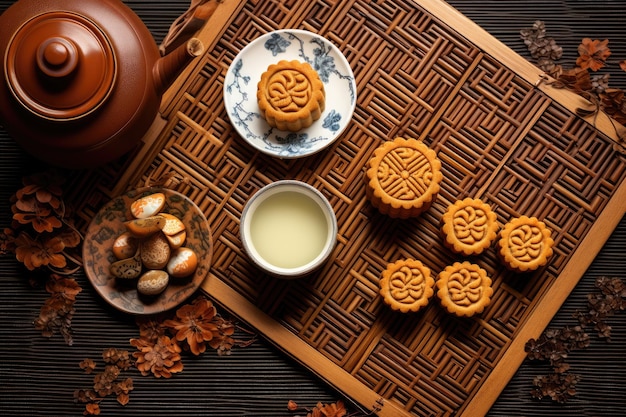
[[60, 66], [57, 57]]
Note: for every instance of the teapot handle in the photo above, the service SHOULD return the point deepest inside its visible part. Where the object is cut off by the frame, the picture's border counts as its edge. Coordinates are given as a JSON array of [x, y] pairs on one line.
[[187, 24]]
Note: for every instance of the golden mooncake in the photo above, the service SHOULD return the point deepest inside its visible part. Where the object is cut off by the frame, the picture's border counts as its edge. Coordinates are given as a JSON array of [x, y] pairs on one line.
[[403, 177], [406, 285], [469, 227], [525, 244], [464, 289], [291, 95]]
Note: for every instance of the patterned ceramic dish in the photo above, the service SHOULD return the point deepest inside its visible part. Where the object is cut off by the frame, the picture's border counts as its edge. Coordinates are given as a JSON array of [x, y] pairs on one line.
[[240, 86], [108, 224]]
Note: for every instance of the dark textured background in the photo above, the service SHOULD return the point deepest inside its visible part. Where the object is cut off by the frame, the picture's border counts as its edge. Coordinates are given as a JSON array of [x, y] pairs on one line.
[[38, 375]]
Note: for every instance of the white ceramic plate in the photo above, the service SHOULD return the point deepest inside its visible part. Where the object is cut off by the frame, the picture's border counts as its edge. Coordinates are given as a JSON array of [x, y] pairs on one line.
[[240, 86]]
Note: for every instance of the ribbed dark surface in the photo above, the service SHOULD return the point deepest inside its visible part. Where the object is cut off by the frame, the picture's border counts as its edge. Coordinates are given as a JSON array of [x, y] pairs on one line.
[[568, 22], [39, 375]]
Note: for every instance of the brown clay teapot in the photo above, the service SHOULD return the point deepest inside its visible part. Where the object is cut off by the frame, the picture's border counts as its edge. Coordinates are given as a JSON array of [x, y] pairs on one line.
[[81, 80]]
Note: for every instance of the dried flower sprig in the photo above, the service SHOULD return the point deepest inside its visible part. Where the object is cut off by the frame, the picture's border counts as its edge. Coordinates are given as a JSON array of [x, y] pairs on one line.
[[560, 387], [336, 409], [543, 48], [602, 305], [193, 327], [40, 234], [321, 410], [107, 382], [43, 239], [593, 55], [160, 358], [555, 345], [58, 310]]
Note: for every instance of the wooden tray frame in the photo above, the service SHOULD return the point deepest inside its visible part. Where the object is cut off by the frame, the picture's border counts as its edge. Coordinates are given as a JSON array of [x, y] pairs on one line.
[[140, 165]]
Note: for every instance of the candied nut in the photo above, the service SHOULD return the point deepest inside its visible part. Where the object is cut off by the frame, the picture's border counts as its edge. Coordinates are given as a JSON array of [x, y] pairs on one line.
[[182, 263], [155, 251], [145, 227], [147, 206], [153, 282], [128, 268], [125, 246], [173, 225], [177, 240]]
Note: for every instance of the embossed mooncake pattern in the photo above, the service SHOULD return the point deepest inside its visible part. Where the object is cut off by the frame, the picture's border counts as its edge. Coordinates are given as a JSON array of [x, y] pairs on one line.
[[464, 289], [525, 244], [406, 285], [291, 95], [403, 178], [469, 226]]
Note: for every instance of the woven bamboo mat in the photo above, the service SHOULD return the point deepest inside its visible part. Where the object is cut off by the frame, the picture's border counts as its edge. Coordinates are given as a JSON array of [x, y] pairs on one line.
[[421, 74], [500, 139]]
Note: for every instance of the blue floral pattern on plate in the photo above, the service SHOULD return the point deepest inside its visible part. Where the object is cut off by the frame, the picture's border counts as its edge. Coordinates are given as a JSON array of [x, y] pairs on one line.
[[240, 87]]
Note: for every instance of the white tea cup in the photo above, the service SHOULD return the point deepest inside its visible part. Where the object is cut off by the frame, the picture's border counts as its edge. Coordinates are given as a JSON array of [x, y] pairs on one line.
[[288, 228]]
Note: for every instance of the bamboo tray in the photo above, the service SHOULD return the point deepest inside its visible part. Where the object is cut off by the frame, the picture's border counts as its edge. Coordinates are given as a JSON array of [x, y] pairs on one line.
[[423, 70]]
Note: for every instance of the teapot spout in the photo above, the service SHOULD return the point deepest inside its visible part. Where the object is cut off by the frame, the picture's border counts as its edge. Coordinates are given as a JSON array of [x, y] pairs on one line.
[[168, 67]]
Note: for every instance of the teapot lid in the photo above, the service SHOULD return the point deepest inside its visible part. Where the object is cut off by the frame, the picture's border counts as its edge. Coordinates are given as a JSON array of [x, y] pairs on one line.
[[60, 65]]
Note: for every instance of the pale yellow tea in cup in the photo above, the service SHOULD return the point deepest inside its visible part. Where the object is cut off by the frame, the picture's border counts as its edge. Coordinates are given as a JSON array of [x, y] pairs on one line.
[[289, 229]]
